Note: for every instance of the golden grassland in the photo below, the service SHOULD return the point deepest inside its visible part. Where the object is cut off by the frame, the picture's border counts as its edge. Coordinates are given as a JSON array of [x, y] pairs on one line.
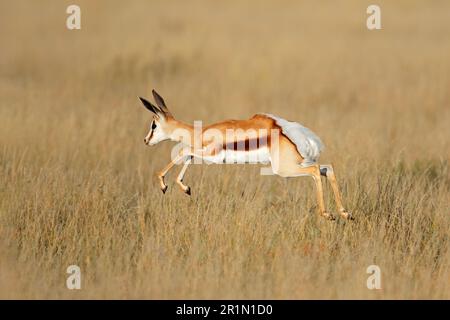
[[77, 184]]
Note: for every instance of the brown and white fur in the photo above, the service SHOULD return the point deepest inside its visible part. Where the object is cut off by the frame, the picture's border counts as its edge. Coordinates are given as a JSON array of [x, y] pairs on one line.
[[295, 154]]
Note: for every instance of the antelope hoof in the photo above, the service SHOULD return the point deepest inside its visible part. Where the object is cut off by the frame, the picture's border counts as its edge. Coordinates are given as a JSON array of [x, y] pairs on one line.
[[188, 191], [328, 216], [164, 189], [346, 215]]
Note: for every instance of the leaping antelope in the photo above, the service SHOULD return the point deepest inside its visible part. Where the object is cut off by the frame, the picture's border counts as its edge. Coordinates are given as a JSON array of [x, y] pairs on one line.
[[291, 149]]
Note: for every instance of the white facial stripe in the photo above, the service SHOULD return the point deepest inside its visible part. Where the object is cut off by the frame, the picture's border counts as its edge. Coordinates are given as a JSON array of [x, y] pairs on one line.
[[156, 133]]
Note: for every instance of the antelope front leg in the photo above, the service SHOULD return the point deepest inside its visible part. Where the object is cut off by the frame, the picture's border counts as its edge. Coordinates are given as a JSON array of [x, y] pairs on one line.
[[180, 177], [164, 171]]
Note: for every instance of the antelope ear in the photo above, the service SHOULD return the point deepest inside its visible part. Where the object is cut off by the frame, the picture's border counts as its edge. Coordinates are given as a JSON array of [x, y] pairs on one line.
[[160, 102], [150, 107]]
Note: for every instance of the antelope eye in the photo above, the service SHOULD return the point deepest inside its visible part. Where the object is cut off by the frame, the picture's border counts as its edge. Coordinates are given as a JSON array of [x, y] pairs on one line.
[[153, 125]]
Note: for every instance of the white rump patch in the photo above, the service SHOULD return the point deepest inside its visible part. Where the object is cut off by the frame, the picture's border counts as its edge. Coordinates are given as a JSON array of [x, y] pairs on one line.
[[307, 142]]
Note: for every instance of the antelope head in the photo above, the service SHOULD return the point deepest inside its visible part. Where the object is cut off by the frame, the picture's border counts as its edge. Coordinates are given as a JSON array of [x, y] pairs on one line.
[[159, 126]]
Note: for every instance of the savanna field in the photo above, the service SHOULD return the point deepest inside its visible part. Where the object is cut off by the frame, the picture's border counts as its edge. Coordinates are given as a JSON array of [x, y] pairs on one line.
[[78, 185]]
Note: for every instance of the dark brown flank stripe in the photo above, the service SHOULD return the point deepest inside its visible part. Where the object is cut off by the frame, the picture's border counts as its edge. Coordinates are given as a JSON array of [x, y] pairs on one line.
[[246, 145]]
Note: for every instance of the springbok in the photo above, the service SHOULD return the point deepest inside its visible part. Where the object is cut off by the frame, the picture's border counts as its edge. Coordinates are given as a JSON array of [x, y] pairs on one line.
[[291, 149]]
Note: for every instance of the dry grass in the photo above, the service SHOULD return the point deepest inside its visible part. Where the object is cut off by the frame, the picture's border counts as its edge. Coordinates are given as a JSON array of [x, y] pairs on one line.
[[76, 181]]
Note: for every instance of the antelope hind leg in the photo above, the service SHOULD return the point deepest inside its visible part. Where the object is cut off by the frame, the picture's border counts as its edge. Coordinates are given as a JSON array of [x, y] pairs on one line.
[[328, 172]]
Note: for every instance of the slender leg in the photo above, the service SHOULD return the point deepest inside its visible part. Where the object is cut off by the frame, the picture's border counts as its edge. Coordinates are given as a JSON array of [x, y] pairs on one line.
[[328, 172], [164, 171], [180, 177], [314, 172]]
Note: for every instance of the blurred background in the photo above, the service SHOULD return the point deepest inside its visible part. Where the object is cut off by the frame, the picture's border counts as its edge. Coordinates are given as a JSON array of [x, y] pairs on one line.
[[77, 183]]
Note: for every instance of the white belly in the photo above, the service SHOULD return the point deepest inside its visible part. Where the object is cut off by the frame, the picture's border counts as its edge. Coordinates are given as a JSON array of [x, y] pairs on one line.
[[260, 155]]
